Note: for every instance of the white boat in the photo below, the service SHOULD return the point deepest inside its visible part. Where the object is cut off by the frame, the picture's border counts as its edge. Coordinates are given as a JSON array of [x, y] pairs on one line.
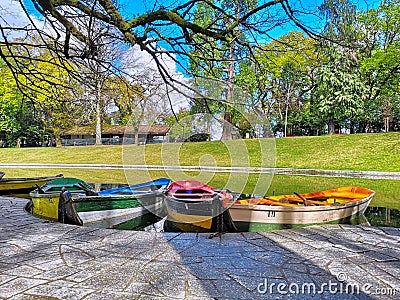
[[340, 205]]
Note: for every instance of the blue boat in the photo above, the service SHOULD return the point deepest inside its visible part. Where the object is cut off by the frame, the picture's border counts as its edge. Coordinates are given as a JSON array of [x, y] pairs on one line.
[[159, 184]]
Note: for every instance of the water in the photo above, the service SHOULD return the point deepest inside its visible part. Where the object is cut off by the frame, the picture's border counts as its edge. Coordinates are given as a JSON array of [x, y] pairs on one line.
[[383, 216], [373, 216]]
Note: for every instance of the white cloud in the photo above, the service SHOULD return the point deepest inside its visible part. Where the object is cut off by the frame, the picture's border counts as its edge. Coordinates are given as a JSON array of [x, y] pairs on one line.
[[12, 15], [139, 64], [143, 68]]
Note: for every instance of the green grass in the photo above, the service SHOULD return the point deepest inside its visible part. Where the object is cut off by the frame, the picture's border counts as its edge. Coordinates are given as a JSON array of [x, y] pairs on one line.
[[377, 152]]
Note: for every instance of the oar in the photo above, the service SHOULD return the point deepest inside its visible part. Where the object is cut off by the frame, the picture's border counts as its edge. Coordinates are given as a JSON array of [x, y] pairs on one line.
[[39, 189], [305, 201], [88, 192]]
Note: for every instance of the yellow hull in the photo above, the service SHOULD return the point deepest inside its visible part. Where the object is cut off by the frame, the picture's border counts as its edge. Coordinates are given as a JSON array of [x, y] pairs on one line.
[[23, 184], [46, 207], [197, 221]]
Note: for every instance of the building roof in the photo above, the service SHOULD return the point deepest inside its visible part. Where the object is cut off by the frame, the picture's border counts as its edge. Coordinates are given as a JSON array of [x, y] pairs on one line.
[[119, 129]]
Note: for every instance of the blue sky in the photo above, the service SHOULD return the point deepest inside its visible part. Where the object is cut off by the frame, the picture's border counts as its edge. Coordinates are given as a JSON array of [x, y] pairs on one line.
[[135, 7], [132, 8]]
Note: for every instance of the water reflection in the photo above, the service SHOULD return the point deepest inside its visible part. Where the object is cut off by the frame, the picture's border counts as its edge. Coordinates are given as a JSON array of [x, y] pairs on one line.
[[383, 216], [373, 216]]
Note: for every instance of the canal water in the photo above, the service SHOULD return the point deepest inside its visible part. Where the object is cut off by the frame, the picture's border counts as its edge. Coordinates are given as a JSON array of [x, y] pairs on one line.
[[373, 216]]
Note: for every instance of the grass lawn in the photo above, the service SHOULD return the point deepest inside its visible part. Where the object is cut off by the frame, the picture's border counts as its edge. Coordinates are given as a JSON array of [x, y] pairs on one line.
[[377, 152]]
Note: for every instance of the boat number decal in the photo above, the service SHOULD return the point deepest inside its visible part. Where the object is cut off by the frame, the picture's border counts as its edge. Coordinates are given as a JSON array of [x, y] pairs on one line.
[[50, 200], [271, 214]]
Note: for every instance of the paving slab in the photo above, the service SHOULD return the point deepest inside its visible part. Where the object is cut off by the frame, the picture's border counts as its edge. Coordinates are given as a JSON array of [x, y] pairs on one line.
[[48, 260]]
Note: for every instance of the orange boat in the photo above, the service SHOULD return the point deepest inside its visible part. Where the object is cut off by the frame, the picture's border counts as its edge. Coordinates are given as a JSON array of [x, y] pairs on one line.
[[340, 205]]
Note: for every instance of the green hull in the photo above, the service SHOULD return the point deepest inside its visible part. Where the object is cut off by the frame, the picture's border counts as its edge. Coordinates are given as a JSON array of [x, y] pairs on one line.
[[105, 210], [138, 223], [262, 227], [98, 203]]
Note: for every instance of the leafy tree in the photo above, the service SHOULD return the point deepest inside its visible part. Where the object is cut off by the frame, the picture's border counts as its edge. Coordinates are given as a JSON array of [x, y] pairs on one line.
[[339, 90], [379, 35], [339, 87], [18, 118], [10, 99], [181, 125], [56, 104], [219, 65], [282, 77]]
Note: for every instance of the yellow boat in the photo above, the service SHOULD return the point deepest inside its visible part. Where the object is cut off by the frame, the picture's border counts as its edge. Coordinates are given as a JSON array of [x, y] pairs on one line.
[[193, 206], [44, 199], [23, 185]]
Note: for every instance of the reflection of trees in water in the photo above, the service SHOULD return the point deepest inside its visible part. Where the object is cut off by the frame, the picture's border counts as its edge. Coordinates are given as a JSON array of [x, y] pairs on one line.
[[383, 216]]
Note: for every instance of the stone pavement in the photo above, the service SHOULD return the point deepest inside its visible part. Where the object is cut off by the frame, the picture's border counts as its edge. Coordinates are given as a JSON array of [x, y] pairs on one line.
[[45, 260]]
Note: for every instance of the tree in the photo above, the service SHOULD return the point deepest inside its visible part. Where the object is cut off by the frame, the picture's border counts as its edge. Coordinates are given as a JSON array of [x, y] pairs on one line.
[[56, 106], [221, 65], [9, 99], [167, 29], [137, 104], [282, 77], [30, 121], [340, 88], [379, 35], [18, 118]]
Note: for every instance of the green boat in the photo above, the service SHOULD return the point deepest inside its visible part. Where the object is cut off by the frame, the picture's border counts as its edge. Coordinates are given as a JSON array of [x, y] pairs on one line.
[[44, 199], [107, 211]]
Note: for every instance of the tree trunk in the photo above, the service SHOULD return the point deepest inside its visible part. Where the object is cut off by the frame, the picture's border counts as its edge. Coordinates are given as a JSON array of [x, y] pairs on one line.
[[386, 125], [137, 137], [43, 135], [331, 125], [98, 117], [58, 140], [286, 118], [352, 127], [227, 125]]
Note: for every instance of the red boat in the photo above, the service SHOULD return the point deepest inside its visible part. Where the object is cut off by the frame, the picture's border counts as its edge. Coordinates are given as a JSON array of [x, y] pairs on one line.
[[196, 206]]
